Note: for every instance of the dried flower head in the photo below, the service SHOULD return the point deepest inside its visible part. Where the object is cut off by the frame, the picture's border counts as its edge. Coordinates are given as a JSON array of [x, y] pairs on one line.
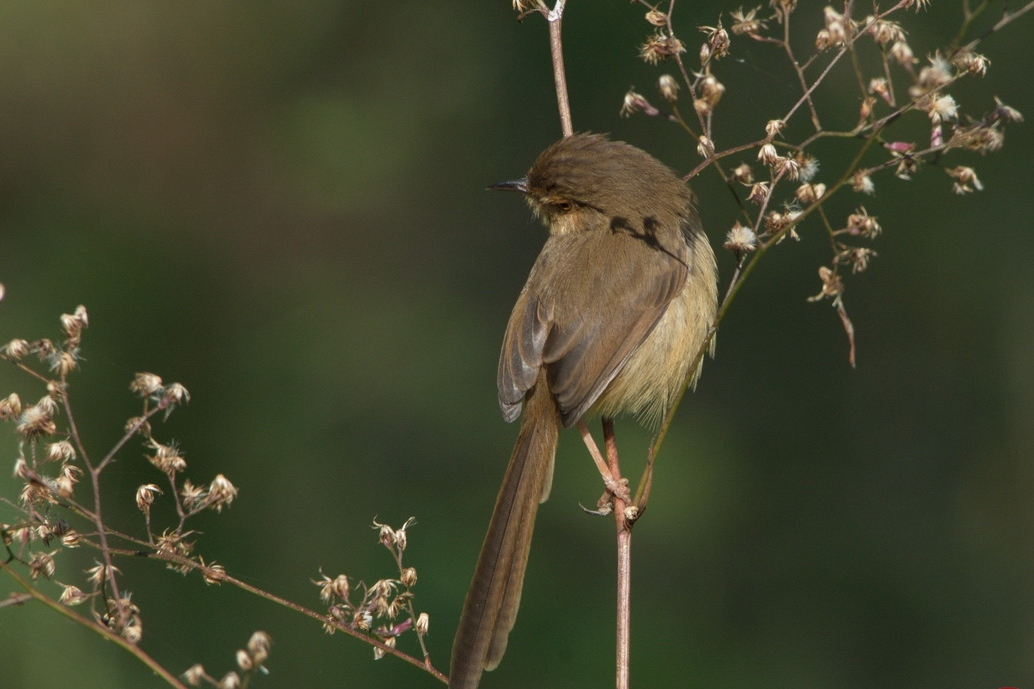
[[1005, 113], [42, 565], [423, 623], [221, 493], [740, 240], [659, 47], [965, 180], [773, 128], [879, 87], [940, 108], [194, 675], [66, 480], [145, 496], [61, 451], [711, 90], [10, 407], [176, 394], [408, 577], [758, 193], [37, 421], [15, 349], [746, 23], [146, 384], [74, 323], [884, 31], [717, 40], [705, 147], [98, 574], [863, 183], [213, 574], [336, 589], [931, 78], [809, 193], [832, 285], [863, 224], [166, 457], [657, 18], [838, 30], [971, 63], [743, 174], [259, 645], [857, 257], [768, 155], [72, 595], [809, 166], [635, 102], [901, 52], [668, 87], [788, 167], [71, 538]]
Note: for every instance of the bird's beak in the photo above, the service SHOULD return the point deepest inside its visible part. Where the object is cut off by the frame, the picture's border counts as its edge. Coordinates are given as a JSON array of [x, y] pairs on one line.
[[520, 185]]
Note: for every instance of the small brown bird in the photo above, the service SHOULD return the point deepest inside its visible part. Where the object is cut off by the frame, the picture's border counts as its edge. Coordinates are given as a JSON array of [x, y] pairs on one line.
[[618, 303]]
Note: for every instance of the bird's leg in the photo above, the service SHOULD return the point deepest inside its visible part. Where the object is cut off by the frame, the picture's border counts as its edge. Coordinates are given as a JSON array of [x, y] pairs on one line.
[[616, 486]]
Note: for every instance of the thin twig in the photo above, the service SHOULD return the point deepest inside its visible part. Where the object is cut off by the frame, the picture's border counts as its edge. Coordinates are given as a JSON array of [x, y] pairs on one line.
[[556, 49]]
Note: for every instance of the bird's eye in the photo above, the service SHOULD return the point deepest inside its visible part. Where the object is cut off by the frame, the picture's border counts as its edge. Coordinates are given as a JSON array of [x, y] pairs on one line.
[[564, 206]]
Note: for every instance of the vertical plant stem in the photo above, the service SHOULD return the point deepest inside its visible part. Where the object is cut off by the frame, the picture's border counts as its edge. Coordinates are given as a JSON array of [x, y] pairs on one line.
[[556, 48]]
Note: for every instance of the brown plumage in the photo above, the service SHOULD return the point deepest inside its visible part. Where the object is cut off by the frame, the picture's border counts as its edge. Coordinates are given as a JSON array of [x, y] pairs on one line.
[[616, 306]]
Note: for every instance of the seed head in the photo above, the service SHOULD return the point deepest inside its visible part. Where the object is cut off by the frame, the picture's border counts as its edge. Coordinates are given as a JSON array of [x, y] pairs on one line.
[[61, 451], [660, 47], [863, 224], [758, 193], [740, 240], [635, 102], [705, 147], [72, 595], [971, 63], [863, 183], [145, 496], [10, 407], [221, 493], [146, 384], [884, 31], [194, 675], [657, 18], [965, 180], [902, 53], [809, 193], [36, 422], [717, 40], [746, 23], [42, 564], [743, 174], [259, 645], [768, 155], [711, 90], [15, 349], [668, 87], [1005, 113]]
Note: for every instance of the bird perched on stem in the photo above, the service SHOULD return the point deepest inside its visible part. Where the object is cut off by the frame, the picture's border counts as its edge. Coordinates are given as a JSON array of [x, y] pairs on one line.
[[614, 312]]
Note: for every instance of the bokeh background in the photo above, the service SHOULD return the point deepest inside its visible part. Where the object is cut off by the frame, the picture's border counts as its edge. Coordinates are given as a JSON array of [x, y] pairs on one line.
[[281, 206]]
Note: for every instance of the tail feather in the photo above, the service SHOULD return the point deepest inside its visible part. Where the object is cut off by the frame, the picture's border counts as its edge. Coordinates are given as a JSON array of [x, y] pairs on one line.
[[494, 596]]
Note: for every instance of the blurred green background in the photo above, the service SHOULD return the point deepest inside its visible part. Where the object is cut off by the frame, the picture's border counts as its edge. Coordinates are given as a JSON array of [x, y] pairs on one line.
[[281, 206]]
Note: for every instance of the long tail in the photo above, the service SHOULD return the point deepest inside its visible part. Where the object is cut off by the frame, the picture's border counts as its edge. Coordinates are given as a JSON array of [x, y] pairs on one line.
[[495, 591]]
